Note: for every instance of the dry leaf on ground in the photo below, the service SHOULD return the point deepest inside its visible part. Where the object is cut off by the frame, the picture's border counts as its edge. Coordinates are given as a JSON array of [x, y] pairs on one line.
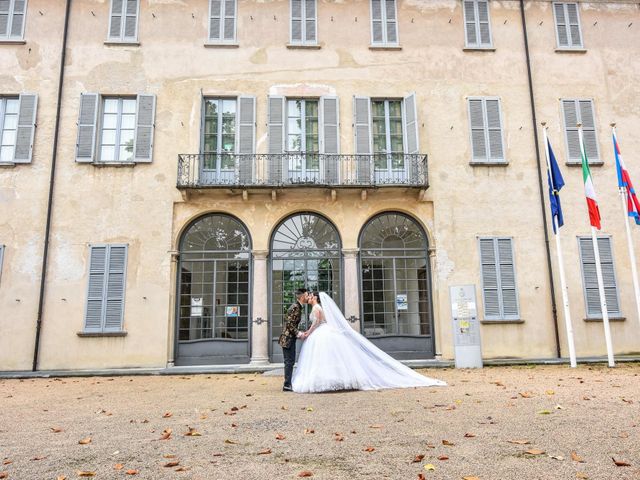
[[519, 442], [166, 434], [369, 449], [534, 451], [173, 463], [305, 473], [132, 472], [443, 457], [85, 441], [266, 451], [448, 443], [86, 473], [56, 430], [576, 458], [429, 467], [418, 458], [118, 466], [167, 415], [469, 435], [192, 432], [309, 431], [620, 463]]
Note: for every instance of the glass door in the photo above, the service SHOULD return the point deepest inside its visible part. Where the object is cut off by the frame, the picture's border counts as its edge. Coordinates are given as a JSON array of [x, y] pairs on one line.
[[388, 141], [303, 142], [219, 141]]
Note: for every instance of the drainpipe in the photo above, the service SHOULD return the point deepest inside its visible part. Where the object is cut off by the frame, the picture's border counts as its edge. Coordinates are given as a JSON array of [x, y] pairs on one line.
[[540, 185], [54, 155]]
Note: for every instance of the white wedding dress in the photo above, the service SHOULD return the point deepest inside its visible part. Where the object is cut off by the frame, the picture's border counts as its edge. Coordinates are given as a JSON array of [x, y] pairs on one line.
[[335, 357]]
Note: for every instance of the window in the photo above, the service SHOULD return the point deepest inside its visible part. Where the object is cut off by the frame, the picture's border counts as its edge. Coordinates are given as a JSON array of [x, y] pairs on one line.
[[222, 21], [17, 128], [574, 112], [568, 32], [302, 126], [499, 290], [121, 126], [485, 122], [12, 16], [590, 279], [219, 138], [123, 21], [477, 24], [304, 22], [1, 259], [388, 138], [106, 287], [384, 23]]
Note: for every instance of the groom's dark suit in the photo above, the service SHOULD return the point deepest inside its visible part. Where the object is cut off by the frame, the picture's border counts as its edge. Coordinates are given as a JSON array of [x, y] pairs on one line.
[[288, 340]]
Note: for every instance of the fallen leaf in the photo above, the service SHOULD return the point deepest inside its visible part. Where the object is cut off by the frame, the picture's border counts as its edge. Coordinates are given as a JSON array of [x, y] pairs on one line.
[[234, 409], [581, 475], [280, 437], [85, 473], [620, 463], [38, 458], [266, 451], [308, 431], [85, 441], [166, 434], [418, 458], [550, 392], [118, 466], [429, 467], [217, 454], [305, 473], [173, 463], [167, 415], [525, 394], [557, 457], [369, 449], [182, 469], [534, 451], [7, 462], [234, 425], [421, 476], [169, 455], [470, 478], [338, 437], [56, 430], [469, 435], [519, 442], [284, 408], [59, 477], [443, 457], [544, 412], [4, 474], [627, 401], [375, 426], [310, 409], [430, 446], [192, 432], [576, 458], [230, 442], [448, 443], [132, 472], [203, 416]]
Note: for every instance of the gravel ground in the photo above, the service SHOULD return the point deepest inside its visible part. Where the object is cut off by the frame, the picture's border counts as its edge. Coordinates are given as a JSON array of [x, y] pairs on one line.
[[463, 430]]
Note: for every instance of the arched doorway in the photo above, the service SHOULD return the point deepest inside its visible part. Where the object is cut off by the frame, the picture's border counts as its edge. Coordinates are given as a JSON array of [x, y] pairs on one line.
[[395, 293], [305, 253], [214, 284]]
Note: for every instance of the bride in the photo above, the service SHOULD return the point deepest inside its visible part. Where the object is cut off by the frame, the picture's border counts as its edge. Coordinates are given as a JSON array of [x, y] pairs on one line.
[[335, 357]]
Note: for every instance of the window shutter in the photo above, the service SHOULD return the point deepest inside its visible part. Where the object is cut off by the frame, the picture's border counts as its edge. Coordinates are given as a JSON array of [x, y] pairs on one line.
[[17, 19], [391, 21], [4, 17], [215, 20], [1, 259], [580, 111], [477, 125], [114, 298], [131, 20], [570, 112], [230, 20], [587, 119], [362, 129], [469, 9], [507, 279], [311, 23], [96, 288], [145, 114], [115, 24], [489, 273], [590, 278], [561, 25], [412, 138], [87, 121], [275, 132], [494, 129], [330, 138], [377, 35], [26, 128], [483, 23], [246, 138], [574, 25], [296, 21]]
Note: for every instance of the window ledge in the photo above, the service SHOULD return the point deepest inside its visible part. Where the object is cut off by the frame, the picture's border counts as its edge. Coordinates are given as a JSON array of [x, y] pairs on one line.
[[302, 46], [592, 163], [611, 319], [496, 322], [113, 164], [501, 163], [102, 334], [9, 41], [7, 164], [221, 45], [385, 47], [121, 43], [479, 49], [571, 50]]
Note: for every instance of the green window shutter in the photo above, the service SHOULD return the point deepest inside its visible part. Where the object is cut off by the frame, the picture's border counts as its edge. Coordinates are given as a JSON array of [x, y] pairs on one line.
[[590, 278], [246, 138], [115, 288], [410, 118], [499, 288], [87, 123], [26, 128], [96, 288], [145, 114]]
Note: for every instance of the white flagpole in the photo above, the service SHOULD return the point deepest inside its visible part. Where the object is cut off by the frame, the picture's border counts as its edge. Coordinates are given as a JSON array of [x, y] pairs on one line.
[[596, 253], [563, 280], [632, 253]]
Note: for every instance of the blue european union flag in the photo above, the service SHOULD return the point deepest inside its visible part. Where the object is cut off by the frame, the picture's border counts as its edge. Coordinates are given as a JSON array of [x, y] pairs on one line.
[[556, 182]]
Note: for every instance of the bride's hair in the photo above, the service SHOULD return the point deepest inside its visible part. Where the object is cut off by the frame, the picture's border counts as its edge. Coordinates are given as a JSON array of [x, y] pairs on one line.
[[316, 295]]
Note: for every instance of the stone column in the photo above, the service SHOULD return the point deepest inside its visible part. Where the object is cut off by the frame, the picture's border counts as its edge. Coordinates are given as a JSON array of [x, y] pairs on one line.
[[351, 287], [437, 326], [173, 272], [260, 310]]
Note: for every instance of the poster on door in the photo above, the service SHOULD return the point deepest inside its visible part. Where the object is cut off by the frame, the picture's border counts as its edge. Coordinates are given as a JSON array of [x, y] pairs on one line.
[[401, 302], [233, 311]]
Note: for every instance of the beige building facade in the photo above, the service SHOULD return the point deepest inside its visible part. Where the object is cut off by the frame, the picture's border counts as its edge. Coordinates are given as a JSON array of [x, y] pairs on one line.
[[207, 158]]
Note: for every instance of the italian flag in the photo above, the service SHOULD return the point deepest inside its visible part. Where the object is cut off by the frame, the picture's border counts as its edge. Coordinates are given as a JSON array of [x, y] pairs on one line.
[[589, 191]]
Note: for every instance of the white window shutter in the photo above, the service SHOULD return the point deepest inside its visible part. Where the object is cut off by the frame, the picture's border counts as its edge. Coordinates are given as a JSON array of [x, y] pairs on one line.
[[574, 112], [484, 26], [498, 279], [330, 133], [115, 288], [297, 20], [490, 283], [471, 35], [562, 30], [26, 128], [275, 132], [362, 123], [96, 288], [573, 21], [587, 118], [412, 139], [115, 19], [590, 278], [17, 19], [1, 259], [246, 138], [377, 35], [494, 129], [477, 126], [5, 5], [131, 20], [87, 122], [215, 20], [509, 292], [391, 21], [571, 119], [310, 21], [145, 114], [229, 20]]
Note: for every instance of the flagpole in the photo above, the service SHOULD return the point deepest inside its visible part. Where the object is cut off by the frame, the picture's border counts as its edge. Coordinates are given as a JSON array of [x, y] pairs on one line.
[[563, 281], [632, 253], [596, 253]]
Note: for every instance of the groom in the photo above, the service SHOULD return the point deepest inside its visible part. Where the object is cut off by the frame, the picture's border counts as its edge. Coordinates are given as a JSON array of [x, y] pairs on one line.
[[289, 334]]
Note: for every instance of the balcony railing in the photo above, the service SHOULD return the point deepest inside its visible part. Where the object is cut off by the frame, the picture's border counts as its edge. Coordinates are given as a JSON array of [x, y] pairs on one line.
[[301, 169]]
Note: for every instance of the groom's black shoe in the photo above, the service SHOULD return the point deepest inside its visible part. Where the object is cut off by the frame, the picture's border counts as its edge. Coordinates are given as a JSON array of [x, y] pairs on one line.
[[287, 389]]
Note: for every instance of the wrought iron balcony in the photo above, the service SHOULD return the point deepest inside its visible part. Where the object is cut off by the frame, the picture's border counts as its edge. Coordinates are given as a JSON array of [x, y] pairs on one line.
[[302, 170]]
